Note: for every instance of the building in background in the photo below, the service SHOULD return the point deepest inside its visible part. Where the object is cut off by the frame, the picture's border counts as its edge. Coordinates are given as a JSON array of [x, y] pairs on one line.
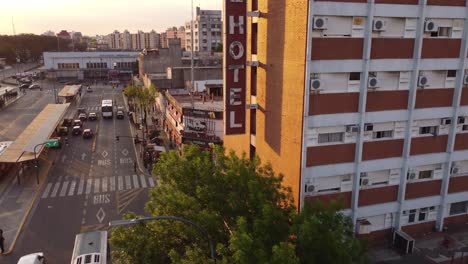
[[207, 31], [64, 35], [109, 65], [364, 102], [175, 33], [137, 41]]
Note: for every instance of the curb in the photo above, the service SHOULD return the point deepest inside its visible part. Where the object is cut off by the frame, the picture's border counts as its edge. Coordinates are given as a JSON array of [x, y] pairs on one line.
[[26, 216]]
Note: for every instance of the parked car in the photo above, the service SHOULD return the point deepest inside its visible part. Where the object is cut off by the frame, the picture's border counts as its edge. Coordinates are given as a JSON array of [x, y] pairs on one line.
[[34, 258], [34, 86], [92, 116], [67, 122], [82, 117], [89, 89], [24, 86], [77, 122], [59, 140], [76, 130], [87, 133], [62, 131]]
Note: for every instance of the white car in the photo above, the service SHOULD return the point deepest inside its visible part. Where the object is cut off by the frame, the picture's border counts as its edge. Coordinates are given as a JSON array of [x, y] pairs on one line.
[[34, 86], [34, 258]]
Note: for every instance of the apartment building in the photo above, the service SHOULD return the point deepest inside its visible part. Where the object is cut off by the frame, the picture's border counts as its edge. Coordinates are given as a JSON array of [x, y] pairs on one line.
[[138, 41], [206, 31], [175, 33], [363, 101]]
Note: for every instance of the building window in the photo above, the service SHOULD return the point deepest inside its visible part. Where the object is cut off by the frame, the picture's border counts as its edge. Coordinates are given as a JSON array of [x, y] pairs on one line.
[[419, 215], [425, 174], [383, 134], [458, 208], [253, 80], [253, 122], [443, 32], [330, 137], [451, 74], [428, 130], [254, 38], [354, 76], [465, 128]]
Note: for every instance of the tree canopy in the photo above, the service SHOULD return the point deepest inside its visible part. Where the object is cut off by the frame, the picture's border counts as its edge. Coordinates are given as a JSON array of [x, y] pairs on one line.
[[244, 208]]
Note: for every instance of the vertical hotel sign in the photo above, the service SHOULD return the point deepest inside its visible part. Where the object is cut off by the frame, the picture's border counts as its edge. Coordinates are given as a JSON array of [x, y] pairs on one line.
[[235, 39]]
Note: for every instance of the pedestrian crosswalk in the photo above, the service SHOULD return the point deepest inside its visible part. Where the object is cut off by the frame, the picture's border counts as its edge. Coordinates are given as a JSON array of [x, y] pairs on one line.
[[93, 108], [96, 185]]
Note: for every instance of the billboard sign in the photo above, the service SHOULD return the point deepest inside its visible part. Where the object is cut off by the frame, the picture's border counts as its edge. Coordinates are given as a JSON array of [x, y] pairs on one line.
[[235, 39]]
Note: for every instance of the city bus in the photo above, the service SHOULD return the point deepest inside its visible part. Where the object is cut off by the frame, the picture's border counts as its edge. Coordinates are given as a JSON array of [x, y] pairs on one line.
[[107, 108], [91, 247]]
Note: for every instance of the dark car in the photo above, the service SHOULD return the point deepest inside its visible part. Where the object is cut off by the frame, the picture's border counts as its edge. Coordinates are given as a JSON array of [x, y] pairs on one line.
[[62, 131], [67, 122], [120, 114], [76, 130], [24, 86], [89, 89]]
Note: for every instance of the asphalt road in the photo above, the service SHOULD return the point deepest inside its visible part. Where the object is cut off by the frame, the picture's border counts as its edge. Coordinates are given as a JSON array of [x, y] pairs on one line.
[[85, 189]]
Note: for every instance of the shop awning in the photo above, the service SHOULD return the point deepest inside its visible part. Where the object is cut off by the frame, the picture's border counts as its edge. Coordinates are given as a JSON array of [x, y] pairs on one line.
[[69, 90], [39, 131]]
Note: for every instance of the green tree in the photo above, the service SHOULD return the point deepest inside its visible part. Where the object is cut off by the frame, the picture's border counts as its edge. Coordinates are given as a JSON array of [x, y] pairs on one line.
[[143, 98], [325, 235], [243, 206]]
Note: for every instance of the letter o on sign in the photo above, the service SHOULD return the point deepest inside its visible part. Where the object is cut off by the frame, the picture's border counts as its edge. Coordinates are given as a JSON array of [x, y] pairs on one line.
[[240, 49]]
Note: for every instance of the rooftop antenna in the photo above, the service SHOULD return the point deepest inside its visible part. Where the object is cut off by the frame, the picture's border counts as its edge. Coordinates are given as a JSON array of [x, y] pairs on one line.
[[13, 26], [191, 57]]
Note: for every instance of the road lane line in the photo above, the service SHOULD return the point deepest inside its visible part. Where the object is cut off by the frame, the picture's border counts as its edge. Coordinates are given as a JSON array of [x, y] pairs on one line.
[[89, 182], [104, 184], [143, 181], [112, 183], [80, 187], [96, 185], [151, 182], [64, 189], [128, 182], [54, 192], [72, 188], [120, 183], [135, 182], [46, 191]]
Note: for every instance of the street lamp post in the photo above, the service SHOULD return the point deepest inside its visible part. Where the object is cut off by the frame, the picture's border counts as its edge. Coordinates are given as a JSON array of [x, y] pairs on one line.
[[36, 161], [175, 218]]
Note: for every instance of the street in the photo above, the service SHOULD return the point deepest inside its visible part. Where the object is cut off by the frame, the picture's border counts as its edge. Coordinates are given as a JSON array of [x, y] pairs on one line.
[[85, 189]]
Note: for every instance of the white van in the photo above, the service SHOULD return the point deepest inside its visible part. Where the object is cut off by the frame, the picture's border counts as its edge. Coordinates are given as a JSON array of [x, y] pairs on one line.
[[34, 258]]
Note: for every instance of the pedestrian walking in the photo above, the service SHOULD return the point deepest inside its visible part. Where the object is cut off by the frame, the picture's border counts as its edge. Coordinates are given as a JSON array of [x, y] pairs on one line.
[[134, 166], [2, 242]]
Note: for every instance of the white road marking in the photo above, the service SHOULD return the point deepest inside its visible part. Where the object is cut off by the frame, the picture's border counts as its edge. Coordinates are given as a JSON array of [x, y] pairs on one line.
[[120, 183], [135, 182], [64, 189], [89, 182], [47, 190], [80, 186], [104, 184], [54, 192], [151, 182], [143, 181], [96, 185], [72, 188], [128, 182], [112, 184]]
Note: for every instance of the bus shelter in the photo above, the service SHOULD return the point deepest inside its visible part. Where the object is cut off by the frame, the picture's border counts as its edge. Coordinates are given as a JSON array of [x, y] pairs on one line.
[[30, 142]]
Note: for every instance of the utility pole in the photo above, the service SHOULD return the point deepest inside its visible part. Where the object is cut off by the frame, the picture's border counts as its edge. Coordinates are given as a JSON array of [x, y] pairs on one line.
[[13, 26], [192, 49]]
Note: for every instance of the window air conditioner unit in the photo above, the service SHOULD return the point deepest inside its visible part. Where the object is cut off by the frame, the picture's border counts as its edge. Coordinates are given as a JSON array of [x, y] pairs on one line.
[[423, 81], [403, 242], [365, 181], [352, 129], [454, 170], [446, 121], [430, 26], [461, 120], [363, 226], [379, 25], [373, 82], [315, 84], [368, 127], [309, 188], [411, 175], [320, 23], [465, 79]]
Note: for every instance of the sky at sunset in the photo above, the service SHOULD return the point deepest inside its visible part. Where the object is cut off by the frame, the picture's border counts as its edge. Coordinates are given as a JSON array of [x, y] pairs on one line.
[[93, 17]]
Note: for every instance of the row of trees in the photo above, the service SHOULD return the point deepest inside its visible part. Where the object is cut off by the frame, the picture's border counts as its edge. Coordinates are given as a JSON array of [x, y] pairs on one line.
[[245, 209], [29, 47], [141, 97]]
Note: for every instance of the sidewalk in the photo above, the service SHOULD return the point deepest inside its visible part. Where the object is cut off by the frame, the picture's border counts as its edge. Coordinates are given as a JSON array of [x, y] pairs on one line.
[[17, 200]]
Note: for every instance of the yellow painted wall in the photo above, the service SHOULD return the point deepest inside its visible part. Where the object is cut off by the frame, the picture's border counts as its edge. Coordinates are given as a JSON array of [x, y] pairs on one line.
[[280, 89]]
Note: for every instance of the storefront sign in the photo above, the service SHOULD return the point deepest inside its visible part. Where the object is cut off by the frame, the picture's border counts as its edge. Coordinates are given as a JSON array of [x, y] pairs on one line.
[[234, 66]]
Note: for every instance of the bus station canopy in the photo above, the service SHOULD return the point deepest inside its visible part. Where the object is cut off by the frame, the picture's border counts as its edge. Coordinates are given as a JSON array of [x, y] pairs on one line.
[[38, 132], [69, 90]]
